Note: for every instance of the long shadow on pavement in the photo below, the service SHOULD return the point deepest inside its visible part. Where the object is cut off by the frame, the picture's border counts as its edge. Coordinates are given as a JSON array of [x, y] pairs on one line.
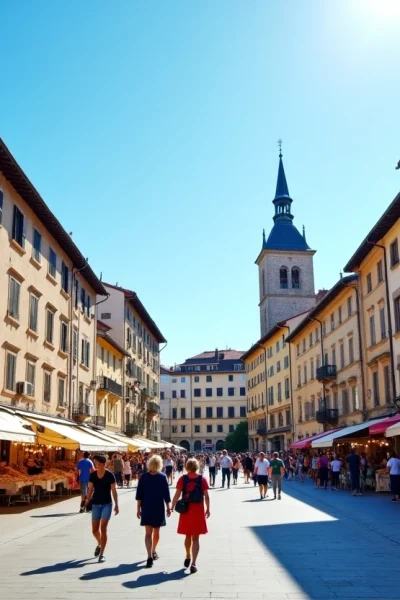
[[153, 579], [55, 515], [123, 569], [59, 567]]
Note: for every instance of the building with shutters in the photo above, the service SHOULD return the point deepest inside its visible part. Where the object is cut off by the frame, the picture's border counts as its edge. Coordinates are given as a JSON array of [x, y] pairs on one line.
[[135, 331], [203, 399], [48, 293]]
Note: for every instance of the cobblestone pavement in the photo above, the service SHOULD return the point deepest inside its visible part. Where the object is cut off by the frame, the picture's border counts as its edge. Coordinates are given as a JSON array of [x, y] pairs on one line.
[[311, 544]]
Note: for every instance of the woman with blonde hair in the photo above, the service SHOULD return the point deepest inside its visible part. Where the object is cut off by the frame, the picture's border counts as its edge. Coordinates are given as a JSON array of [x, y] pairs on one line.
[[192, 522], [152, 496]]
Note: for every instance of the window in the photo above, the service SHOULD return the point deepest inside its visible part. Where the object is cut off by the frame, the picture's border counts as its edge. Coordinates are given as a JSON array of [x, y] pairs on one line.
[[297, 349], [231, 412], [49, 326], [13, 299], [332, 321], [219, 391], [287, 415], [37, 246], [220, 428], [394, 253], [65, 278], [197, 379], [351, 350], [174, 413], [396, 303], [197, 392], [270, 396], [310, 339], [183, 393], [277, 346], [230, 377], [279, 391], [197, 412], [312, 373], [304, 345], [18, 227], [354, 398], [47, 387], [335, 399], [209, 428], [295, 278], [287, 393], [242, 411], [33, 312], [162, 395], [197, 428], [61, 392], [183, 379], [286, 362], [305, 373], [30, 374], [183, 413], [386, 380], [283, 275], [64, 337], [174, 429], [11, 366], [280, 419], [349, 307], [174, 381], [209, 392], [375, 386], [379, 271], [333, 357], [345, 402], [183, 428], [75, 344], [231, 391], [209, 412], [242, 391], [278, 366], [372, 330], [85, 353], [231, 428], [369, 283], [316, 335], [174, 393], [220, 412], [382, 322], [272, 421], [298, 377], [208, 378], [341, 353]]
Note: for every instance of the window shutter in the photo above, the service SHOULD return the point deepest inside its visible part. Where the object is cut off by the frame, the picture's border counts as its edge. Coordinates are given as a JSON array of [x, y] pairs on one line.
[[88, 304], [87, 354], [83, 351]]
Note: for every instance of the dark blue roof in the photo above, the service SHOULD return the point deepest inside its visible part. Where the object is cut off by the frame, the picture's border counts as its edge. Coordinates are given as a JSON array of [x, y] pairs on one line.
[[285, 236], [282, 190]]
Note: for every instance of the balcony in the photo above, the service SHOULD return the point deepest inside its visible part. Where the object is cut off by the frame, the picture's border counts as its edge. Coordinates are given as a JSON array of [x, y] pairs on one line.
[[148, 393], [108, 385], [262, 431], [153, 408], [99, 421], [329, 415], [132, 429], [326, 373], [82, 411]]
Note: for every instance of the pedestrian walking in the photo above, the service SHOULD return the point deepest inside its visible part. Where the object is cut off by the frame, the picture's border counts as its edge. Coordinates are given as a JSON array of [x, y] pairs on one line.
[[323, 471], [152, 496], [261, 471], [84, 468], [192, 522], [336, 466], [226, 466], [169, 468], [118, 467], [393, 467], [211, 469], [235, 469], [276, 471], [102, 489], [353, 460], [179, 465], [127, 471]]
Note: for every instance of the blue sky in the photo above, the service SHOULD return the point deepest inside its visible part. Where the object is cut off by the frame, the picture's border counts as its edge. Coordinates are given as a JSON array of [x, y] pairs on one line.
[[150, 129]]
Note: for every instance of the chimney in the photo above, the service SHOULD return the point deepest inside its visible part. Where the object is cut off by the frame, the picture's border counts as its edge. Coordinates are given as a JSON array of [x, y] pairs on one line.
[[216, 353]]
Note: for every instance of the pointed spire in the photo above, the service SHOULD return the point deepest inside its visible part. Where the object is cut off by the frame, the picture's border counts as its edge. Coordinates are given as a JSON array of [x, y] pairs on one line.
[[304, 233], [263, 236], [282, 190]]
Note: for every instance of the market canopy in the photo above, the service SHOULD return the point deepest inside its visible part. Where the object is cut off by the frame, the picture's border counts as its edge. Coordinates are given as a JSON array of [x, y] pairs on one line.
[[14, 429], [306, 443], [104, 435], [393, 430], [131, 443], [327, 440], [380, 428], [67, 436]]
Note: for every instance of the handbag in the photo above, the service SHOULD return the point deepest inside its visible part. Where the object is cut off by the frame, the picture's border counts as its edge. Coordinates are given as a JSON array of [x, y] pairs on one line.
[[181, 506]]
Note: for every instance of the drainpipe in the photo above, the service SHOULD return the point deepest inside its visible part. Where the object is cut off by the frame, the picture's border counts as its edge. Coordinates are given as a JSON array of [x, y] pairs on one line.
[[290, 379], [390, 331], [266, 392]]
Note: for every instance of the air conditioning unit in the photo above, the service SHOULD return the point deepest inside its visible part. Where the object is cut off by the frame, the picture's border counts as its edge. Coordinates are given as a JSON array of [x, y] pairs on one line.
[[24, 388], [91, 410]]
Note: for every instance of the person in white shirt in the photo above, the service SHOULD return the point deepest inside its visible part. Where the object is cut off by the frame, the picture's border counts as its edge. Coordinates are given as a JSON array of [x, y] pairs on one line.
[[211, 469], [393, 466], [336, 465], [261, 470], [169, 468], [226, 466]]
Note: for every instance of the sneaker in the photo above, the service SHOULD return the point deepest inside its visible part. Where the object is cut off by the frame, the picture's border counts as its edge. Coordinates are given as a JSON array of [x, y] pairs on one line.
[[102, 558], [279, 497], [149, 563], [186, 564], [193, 569], [81, 510], [97, 551]]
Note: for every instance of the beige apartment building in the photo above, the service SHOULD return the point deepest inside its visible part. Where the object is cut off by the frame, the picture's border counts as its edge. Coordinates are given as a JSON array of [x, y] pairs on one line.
[[328, 387], [48, 332], [136, 332], [203, 399], [269, 390], [110, 380]]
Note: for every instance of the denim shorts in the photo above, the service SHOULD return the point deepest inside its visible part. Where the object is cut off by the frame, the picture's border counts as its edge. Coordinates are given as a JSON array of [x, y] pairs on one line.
[[101, 511], [84, 487]]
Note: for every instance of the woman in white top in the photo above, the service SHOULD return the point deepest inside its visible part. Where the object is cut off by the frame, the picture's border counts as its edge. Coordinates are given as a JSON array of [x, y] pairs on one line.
[[261, 470], [127, 471], [393, 466]]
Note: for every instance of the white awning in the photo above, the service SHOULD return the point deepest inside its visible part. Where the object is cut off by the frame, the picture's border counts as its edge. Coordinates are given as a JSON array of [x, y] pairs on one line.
[[70, 437], [104, 435], [12, 429], [328, 439], [393, 430]]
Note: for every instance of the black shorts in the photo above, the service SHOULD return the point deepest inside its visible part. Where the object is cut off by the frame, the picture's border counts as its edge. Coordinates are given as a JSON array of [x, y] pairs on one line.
[[127, 476], [168, 470], [262, 479]]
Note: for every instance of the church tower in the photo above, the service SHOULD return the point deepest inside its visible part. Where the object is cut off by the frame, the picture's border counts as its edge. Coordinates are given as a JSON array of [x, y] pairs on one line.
[[285, 264]]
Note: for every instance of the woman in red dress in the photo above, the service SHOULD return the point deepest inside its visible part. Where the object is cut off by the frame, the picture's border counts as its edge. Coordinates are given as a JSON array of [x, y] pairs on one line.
[[192, 523]]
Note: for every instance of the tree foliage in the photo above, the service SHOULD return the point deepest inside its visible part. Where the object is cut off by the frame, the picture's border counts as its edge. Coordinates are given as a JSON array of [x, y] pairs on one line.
[[238, 440]]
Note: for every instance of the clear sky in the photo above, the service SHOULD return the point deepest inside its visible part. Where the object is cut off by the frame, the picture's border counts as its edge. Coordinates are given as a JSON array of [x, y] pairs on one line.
[[150, 129]]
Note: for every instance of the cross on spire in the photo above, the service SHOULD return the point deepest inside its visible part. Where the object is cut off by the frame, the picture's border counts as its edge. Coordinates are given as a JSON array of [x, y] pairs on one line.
[[280, 147]]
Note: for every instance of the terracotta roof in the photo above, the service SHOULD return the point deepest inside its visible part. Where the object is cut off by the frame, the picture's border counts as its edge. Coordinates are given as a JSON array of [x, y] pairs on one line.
[[228, 355], [140, 309], [15, 175]]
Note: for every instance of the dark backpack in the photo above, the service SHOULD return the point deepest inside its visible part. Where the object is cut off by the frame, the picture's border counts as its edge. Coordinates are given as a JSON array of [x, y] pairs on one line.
[[197, 495]]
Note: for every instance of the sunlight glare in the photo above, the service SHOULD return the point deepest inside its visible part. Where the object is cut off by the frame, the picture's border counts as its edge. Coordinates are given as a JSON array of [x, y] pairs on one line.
[[384, 9]]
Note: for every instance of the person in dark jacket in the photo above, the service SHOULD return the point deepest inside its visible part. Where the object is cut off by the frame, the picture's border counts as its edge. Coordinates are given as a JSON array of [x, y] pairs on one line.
[[354, 462]]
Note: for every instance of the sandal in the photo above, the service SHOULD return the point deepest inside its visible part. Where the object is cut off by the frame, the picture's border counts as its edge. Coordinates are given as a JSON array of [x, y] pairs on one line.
[[193, 569], [186, 564], [149, 563], [155, 556]]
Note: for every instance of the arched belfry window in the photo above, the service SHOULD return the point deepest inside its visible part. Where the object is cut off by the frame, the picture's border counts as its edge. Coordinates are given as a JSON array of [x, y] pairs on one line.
[[296, 278], [283, 275]]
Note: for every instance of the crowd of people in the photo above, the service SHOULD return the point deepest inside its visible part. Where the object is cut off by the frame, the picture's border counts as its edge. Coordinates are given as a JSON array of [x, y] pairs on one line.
[[100, 476]]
